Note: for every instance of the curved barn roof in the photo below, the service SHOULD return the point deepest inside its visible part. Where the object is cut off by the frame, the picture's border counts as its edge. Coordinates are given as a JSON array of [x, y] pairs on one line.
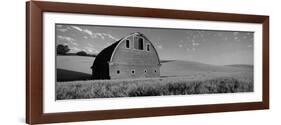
[[106, 54]]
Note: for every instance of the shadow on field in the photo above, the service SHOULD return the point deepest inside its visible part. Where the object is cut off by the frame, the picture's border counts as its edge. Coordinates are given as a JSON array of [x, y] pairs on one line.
[[68, 75]]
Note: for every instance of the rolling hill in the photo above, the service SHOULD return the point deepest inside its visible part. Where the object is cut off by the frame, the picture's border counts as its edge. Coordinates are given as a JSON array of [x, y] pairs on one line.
[[188, 67], [78, 68]]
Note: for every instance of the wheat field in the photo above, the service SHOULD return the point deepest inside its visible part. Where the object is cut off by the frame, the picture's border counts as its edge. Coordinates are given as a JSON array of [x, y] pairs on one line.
[[177, 78], [150, 87]]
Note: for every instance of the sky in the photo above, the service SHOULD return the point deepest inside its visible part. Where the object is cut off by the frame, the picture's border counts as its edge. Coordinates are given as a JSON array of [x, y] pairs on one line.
[[204, 46]]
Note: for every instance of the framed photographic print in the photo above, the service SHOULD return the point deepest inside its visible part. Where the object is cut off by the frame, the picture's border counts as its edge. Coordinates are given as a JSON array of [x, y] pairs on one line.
[[96, 62]]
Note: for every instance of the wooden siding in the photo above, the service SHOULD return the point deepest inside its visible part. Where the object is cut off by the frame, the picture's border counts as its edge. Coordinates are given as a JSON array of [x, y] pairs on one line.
[[127, 59]]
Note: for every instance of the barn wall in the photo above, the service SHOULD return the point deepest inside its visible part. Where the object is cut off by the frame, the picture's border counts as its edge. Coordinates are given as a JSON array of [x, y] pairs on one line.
[[127, 59], [126, 71]]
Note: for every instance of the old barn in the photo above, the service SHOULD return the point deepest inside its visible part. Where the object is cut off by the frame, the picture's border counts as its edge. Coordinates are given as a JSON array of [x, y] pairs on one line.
[[133, 56]]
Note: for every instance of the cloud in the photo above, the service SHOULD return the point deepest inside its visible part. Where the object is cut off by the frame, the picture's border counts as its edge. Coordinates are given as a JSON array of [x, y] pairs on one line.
[[109, 36], [62, 30], [225, 38], [236, 38], [75, 49], [107, 44], [59, 26], [88, 32], [74, 43], [89, 44], [157, 43], [100, 35], [93, 34], [159, 46], [190, 49], [195, 44], [180, 45], [181, 41], [86, 49], [90, 50], [77, 28], [67, 39]]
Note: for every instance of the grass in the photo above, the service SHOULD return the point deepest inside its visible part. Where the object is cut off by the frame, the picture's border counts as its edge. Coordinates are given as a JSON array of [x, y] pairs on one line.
[[150, 87], [177, 78]]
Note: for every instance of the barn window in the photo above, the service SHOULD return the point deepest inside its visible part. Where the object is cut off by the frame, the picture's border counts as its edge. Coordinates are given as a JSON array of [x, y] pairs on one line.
[[136, 43], [133, 71], [155, 70], [127, 43], [145, 70], [118, 71], [140, 43], [147, 47]]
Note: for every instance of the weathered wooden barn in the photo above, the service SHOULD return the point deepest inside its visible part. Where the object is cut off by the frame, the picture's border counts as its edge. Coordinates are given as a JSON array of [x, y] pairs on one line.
[[133, 56]]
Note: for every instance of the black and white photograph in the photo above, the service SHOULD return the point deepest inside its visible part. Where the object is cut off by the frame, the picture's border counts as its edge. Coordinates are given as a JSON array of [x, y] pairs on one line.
[[90, 61], [95, 61]]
